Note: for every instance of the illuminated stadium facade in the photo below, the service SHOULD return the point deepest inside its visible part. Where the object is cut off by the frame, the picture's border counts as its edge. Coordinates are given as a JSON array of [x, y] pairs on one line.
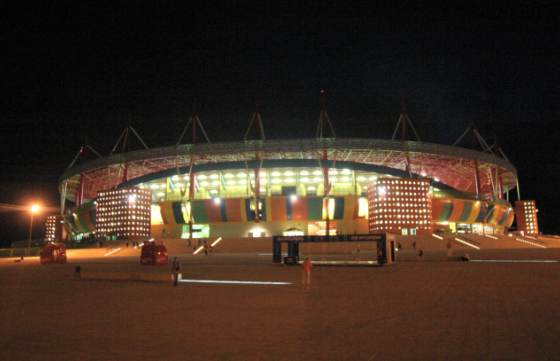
[[261, 187]]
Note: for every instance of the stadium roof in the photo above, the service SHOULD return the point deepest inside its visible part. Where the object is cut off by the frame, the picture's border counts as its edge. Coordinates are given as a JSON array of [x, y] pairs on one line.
[[450, 165]]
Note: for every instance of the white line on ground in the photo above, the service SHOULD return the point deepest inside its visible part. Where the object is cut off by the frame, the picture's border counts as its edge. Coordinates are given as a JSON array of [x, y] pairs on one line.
[[231, 282], [216, 242], [111, 252], [529, 242], [198, 249], [467, 243], [437, 236]]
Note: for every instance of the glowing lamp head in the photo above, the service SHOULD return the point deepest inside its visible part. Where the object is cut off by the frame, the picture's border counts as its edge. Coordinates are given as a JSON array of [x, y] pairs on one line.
[[35, 208], [132, 198], [293, 198]]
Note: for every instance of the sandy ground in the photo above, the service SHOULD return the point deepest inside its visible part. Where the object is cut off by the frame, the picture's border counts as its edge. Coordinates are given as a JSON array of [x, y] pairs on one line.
[[425, 310]]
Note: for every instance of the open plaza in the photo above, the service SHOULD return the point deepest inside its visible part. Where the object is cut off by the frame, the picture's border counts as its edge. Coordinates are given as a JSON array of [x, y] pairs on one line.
[[434, 308]]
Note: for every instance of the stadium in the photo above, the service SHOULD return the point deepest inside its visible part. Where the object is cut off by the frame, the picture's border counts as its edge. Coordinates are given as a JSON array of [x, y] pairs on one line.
[[316, 186]]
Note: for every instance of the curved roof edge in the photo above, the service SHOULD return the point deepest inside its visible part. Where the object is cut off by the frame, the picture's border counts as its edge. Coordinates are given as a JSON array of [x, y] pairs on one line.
[[290, 145]]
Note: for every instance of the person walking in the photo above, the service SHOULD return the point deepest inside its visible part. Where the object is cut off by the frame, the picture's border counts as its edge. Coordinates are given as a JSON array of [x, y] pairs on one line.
[[306, 273], [175, 271]]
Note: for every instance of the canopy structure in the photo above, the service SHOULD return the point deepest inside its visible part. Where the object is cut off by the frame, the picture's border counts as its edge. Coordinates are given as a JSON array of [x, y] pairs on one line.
[[452, 166]]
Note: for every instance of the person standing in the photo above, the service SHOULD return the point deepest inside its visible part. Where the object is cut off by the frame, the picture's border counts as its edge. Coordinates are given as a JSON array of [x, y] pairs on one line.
[[449, 249], [175, 271], [205, 245], [306, 273]]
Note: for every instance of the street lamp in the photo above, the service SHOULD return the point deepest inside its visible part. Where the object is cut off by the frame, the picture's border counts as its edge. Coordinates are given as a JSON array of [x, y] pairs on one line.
[[34, 209]]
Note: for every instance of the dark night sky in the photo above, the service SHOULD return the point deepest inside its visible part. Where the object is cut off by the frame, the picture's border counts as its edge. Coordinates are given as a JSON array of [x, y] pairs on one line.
[[75, 70]]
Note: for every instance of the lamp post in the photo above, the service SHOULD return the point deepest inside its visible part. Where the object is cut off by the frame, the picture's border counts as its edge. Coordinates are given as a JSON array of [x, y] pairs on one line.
[[34, 209]]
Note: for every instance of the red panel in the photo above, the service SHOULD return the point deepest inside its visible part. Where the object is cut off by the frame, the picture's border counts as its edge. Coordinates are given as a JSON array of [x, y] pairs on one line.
[[213, 211], [233, 209], [299, 210]]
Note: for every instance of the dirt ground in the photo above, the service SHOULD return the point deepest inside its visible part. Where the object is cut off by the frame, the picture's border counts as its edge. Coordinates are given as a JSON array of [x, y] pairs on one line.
[[413, 310]]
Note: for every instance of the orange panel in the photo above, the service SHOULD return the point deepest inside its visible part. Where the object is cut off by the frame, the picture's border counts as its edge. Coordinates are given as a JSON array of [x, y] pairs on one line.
[[458, 205], [278, 209]]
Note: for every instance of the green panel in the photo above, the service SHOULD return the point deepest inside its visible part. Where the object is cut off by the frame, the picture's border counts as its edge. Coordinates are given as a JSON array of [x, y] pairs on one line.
[[199, 212], [446, 211], [503, 220], [467, 209], [315, 208], [339, 208]]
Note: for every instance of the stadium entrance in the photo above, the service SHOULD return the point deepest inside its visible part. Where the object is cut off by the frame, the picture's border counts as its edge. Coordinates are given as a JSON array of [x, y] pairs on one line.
[[384, 250]]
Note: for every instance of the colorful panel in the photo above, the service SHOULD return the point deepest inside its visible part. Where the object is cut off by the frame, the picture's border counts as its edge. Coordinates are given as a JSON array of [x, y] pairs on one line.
[[213, 210], [490, 214], [482, 213], [243, 210], [315, 208], [441, 209], [248, 213], [198, 210], [504, 218], [177, 212], [264, 207], [500, 214], [350, 207], [86, 218], [467, 210], [299, 210], [338, 207], [475, 210], [70, 224], [289, 207], [509, 220], [233, 209], [167, 213], [457, 210], [223, 213], [278, 209]]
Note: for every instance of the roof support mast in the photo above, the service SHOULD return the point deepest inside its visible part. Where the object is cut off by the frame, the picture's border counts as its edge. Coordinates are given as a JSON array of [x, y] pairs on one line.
[[194, 122], [476, 137], [80, 193], [403, 123], [122, 145], [255, 189], [324, 122]]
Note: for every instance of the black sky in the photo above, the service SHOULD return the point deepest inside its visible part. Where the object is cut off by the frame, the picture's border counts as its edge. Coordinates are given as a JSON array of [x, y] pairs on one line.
[[74, 70]]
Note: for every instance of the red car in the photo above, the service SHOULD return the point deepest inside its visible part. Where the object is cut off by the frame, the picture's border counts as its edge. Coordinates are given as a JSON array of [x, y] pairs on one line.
[[53, 253], [153, 254]]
